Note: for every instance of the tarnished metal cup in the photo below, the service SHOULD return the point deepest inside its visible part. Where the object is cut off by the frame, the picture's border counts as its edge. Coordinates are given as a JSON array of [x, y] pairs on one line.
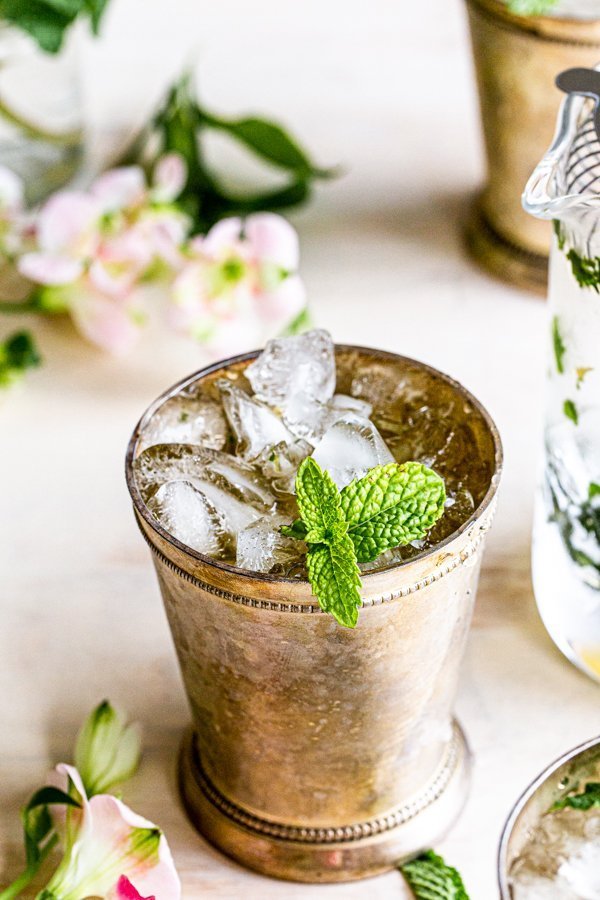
[[320, 753], [579, 765], [517, 59]]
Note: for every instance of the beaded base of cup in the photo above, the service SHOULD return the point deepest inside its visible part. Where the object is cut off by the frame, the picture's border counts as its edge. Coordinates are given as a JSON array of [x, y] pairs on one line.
[[327, 854]]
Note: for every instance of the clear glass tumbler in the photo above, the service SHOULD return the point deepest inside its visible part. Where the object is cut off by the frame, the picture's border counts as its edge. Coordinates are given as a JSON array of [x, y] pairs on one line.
[[565, 187]]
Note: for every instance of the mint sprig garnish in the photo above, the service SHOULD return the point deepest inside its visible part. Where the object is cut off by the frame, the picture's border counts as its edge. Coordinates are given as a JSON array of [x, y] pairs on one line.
[[589, 798], [390, 506], [429, 878]]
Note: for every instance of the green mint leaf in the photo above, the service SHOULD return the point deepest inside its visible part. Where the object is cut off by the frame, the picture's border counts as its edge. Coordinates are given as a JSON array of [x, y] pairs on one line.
[[297, 530], [319, 503], [560, 237], [391, 506], [589, 798], [335, 579], [558, 345], [585, 269], [430, 878], [17, 354], [593, 489], [570, 411]]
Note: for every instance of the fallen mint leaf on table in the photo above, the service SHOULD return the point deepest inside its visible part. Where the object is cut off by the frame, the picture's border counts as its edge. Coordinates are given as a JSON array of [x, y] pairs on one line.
[[589, 798], [391, 506], [429, 878], [570, 411]]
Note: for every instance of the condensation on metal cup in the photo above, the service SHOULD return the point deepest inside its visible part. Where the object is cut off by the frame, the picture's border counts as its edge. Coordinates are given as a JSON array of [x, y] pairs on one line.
[[319, 753], [580, 763]]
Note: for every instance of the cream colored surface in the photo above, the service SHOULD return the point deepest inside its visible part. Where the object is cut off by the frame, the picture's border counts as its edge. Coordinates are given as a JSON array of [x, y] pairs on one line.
[[385, 89]]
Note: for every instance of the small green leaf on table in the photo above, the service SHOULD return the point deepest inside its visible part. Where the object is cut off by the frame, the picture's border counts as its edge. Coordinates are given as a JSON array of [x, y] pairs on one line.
[[429, 878]]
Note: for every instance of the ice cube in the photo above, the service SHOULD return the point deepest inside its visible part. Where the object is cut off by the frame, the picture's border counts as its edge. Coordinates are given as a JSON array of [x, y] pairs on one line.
[[281, 462], [295, 374], [310, 420], [345, 403], [261, 547], [189, 516], [350, 448], [186, 420], [186, 462], [254, 425]]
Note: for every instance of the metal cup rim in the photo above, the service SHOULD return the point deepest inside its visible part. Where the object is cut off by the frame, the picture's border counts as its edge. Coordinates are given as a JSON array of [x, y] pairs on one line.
[[521, 803], [142, 510]]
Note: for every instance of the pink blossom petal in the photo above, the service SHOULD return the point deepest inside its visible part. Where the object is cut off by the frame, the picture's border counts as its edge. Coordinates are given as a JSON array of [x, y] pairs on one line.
[[130, 248], [223, 237], [284, 303], [273, 239], [113, 282], [120, 188], [66, 223], [11, 189], [44, 268], [105, 321], [170, 174], [126, 891], [112, 823]]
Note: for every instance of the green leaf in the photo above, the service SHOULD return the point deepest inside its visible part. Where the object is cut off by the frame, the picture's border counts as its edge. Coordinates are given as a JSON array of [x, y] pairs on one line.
[[302, 322], [570, 411], [531, 7], [593, 489], [48, 796], [296, 530], [391, 506], [319, 503], [96, 9], [589, 798], [335, 579], [47, 26], [585, 269], [107, 751], [269, 141], [430, 878], [558, 345], [17, 354]]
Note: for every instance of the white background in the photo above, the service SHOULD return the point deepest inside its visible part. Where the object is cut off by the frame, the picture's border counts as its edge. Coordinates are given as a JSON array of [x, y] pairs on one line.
[[386, 90]]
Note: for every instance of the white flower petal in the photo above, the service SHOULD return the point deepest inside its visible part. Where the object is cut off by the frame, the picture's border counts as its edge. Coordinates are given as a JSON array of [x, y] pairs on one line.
[[273, 239], [66, 221], [169, 177], [120, 188], [44, 268], [223, 237], [11, 189]]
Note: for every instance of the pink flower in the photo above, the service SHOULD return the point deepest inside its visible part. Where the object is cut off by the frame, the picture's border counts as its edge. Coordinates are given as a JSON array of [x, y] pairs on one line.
[[239, 285], [109, 849], [95, 249], [126, 891]]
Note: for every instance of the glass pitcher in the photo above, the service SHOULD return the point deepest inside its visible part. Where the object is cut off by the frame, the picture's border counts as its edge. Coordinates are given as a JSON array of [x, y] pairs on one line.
[[565, 187]]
